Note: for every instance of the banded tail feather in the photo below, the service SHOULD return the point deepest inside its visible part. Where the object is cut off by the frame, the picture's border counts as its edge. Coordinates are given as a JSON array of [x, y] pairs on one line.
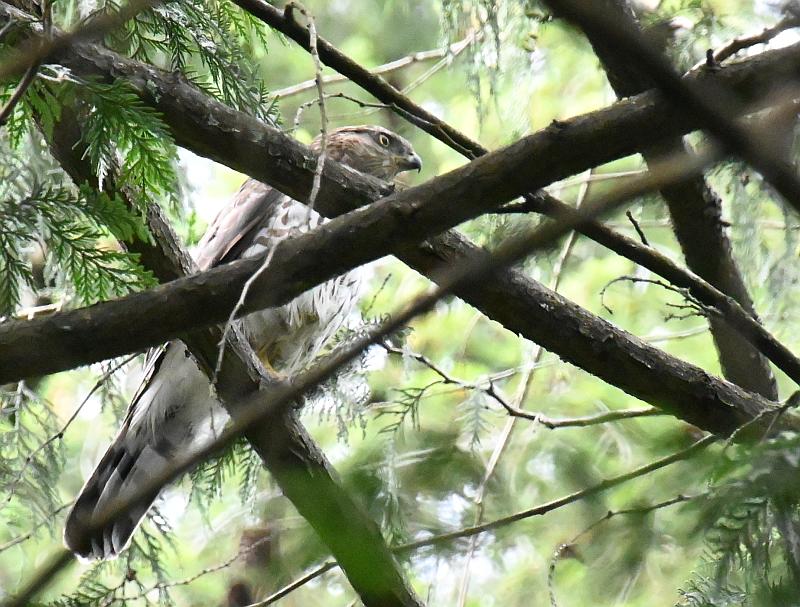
[[126, 467]]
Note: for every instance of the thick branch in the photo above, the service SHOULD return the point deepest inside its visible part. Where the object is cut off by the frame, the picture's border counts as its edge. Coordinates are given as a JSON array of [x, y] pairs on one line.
[[712, 104], [522, 305], [519, 303], [696, 213]]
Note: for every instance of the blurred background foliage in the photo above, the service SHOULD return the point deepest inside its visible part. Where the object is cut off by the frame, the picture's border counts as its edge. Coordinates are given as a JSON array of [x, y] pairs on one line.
[[426, 447]]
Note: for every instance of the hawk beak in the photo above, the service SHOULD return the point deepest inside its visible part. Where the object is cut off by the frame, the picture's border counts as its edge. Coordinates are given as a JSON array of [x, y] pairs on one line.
[[412, 161]]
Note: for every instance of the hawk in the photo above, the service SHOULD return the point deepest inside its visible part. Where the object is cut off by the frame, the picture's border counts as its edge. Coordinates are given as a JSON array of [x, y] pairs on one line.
[[174, 411]]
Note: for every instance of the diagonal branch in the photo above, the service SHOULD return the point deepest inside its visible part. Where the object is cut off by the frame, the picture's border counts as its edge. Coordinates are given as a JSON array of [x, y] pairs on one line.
[[284, 22], [738, 354], [453, 50], [542, 509], [516, 301], [696, 212], [521, 304], [740, 360], [713, 105], [276, 400]]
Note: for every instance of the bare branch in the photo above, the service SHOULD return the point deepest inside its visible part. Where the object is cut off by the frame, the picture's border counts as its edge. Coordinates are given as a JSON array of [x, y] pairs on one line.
[[766, 35], [639, 510], [373, 83], [454, 50], [714, 106], [696, 217], [291, 587], [562, 501]]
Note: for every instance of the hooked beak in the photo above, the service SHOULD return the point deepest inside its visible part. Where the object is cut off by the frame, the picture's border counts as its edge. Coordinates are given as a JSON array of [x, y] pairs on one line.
[[412, 161]]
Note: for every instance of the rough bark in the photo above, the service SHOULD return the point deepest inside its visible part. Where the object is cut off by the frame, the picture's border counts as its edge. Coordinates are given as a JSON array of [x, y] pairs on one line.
[[242, 143], [696, 210], [511, 298]]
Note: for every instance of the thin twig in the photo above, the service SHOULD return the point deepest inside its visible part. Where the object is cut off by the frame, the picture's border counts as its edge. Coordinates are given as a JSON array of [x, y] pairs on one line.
[[487, 386], [304, 106], [692, 302], [453, 50], [768, 33], [323, 129], [531, 512], [637, 227], [202, 573], [19, 92], [289, 588], [315, 187], [229, 325], [640, 510], [562, 501]]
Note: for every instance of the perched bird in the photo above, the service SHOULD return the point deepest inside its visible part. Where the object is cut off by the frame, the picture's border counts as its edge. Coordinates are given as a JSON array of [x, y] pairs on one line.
[[174, 412]]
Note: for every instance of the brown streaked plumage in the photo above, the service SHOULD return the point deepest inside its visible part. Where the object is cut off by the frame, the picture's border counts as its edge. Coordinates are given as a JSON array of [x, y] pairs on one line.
[[174, 411], [371, 149]]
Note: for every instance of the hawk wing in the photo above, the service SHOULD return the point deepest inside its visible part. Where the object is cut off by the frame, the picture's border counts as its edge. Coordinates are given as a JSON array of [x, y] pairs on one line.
[[173, 410], [237, 225]]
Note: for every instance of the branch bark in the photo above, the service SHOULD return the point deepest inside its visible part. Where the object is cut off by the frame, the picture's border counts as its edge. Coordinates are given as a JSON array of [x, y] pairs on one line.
[[696, 212], [521, 304]]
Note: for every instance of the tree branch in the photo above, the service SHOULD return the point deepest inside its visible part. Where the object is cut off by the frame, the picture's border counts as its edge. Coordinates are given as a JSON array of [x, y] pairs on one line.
[[218, 137], [740, 360], [696, 212], [767, 34], [455, 49], [521, 304], [713, 105], [562, 501], [514, 300]]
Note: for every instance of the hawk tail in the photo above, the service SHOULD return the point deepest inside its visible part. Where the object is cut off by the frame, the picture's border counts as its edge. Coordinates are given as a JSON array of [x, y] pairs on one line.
[[98, 526]]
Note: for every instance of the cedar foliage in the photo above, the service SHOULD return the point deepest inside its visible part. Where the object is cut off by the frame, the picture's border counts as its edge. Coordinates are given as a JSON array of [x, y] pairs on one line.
[[419, 472]]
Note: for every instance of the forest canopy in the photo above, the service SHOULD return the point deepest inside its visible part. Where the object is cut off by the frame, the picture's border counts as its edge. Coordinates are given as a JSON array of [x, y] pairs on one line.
[[567, 375]]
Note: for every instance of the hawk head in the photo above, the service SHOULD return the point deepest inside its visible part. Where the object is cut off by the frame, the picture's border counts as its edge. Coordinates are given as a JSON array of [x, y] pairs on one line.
[[370, 149]]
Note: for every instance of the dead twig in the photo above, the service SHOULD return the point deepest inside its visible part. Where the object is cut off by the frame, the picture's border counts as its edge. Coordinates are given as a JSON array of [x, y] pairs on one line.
[[452, 51], [569, 546], [768, 33]]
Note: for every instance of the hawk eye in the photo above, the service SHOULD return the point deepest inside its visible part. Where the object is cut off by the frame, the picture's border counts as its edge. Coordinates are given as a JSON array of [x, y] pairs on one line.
[[383, 140]]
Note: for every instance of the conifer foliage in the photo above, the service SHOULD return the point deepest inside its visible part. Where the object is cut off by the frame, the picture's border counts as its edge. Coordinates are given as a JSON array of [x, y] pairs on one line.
[[490, 466]]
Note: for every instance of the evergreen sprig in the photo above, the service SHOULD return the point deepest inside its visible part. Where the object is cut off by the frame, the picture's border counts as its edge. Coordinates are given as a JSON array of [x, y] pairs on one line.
[[213, 43], [121, 131], [752, 524], [70, 226], [30, 463]]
